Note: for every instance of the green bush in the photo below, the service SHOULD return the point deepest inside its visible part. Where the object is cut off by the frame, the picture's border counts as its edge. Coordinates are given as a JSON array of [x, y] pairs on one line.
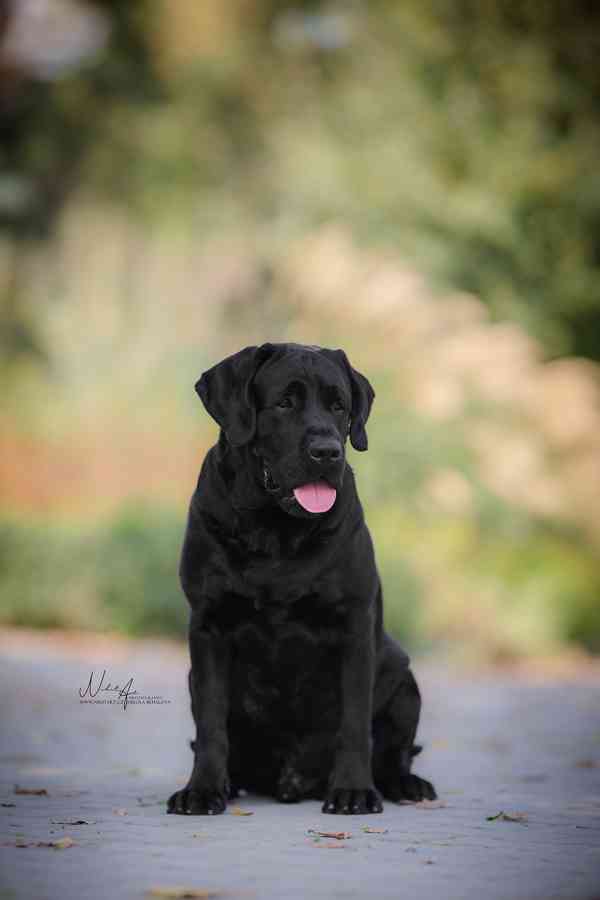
[[495, 584], [121, 575], [45, 577], [137, 583]]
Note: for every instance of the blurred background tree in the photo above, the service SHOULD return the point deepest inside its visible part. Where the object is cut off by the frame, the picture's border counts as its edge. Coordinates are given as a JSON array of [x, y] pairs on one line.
[[63, 68], [180, 178]]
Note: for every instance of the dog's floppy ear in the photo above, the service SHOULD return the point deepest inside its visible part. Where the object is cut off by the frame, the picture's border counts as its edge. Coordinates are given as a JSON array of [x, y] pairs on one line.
[[362, 400], [226, 392]]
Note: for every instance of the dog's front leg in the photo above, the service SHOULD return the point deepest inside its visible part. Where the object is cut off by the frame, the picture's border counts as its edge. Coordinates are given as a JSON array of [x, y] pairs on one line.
[[208, 788], [351, 788]]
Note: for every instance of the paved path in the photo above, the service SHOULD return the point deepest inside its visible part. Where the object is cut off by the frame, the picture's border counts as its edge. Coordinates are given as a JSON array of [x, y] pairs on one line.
[[493, 743]]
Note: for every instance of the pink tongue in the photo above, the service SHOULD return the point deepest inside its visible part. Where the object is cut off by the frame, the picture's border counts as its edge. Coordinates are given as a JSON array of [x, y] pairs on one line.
[[316, 497]]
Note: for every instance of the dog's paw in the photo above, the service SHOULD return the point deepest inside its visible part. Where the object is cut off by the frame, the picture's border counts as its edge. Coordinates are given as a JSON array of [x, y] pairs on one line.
[[197, 802], [352, 802], [409, 787]]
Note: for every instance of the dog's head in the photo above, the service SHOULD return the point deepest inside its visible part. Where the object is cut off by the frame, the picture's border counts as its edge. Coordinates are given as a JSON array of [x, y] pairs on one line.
[[293, 406]]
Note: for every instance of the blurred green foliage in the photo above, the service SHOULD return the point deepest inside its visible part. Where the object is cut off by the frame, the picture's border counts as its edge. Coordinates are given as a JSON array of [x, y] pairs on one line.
[[463, 134], [523, 593], [120, 575]]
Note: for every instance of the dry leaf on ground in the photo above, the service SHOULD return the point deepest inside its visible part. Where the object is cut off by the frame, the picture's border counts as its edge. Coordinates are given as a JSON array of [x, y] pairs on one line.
[[368, 829], [120, 812], [588, 764], [61, 844], [38, 792], [71, 822], [507, 817], [237, 811], [338, 835]]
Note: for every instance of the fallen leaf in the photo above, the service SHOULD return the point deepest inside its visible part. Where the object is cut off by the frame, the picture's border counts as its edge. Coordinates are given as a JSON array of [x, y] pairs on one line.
[[588, 764], [71, 822], [120, 812], [338, 835], [236, 811], [61, 844], [516, 817], [430, 804], [38, 792], [178, 893], [507, 817], [368, 829]]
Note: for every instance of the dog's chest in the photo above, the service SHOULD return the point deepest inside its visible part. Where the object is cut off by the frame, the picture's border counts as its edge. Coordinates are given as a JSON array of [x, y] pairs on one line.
[[286, 659], [318, 607], [280, 563]]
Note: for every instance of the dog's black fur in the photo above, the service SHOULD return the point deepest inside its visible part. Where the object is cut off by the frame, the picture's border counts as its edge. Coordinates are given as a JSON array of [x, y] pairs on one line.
[[296, 689]]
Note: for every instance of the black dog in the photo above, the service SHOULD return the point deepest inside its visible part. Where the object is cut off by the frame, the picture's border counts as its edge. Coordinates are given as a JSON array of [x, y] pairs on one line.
[[296, 689]]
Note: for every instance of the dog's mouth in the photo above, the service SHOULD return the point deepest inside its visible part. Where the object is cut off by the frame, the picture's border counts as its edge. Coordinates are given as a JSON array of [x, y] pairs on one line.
[[314, 496]]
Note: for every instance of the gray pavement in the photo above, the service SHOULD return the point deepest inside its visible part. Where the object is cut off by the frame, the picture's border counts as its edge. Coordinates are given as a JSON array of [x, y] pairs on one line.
[[494, 742]]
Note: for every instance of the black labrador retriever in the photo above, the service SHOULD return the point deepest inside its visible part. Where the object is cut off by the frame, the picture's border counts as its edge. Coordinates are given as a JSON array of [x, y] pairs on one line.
[[296, 689]]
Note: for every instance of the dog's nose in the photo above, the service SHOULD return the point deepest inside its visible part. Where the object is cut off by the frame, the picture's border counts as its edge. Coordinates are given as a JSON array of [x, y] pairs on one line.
[[325, 450]]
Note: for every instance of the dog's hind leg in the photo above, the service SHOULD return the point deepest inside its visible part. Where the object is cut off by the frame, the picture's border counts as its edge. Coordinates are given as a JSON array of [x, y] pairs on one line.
[[395, 728]]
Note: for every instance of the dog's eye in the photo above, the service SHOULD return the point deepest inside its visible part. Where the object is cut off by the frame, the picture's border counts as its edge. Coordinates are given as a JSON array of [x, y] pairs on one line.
[[338, 406], [285, 403]]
